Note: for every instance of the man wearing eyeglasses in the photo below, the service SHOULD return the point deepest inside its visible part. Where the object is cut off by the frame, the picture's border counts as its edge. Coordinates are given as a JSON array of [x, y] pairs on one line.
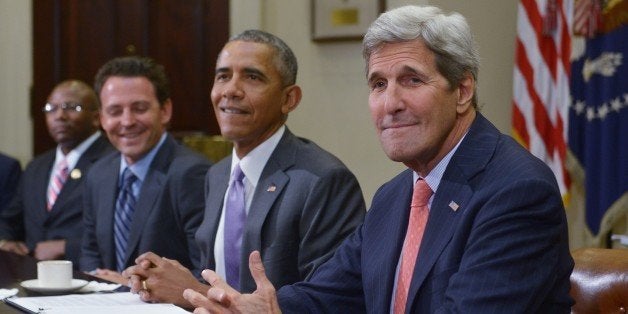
[[45, 218]]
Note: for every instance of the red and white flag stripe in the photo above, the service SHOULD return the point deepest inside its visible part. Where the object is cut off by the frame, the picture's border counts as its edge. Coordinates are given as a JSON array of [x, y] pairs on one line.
[[541, 82], [586, 17]]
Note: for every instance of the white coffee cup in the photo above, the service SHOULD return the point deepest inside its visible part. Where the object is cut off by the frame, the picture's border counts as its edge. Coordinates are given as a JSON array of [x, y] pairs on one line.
[[54, 274]]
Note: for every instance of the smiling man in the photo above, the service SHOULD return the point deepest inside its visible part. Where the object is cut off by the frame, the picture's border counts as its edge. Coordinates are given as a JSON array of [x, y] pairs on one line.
[[475, 224], [149, 195], [278, 194], [45, 218]]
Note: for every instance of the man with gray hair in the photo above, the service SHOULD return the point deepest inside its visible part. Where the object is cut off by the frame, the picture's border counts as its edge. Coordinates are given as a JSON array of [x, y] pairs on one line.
[[475, 225]]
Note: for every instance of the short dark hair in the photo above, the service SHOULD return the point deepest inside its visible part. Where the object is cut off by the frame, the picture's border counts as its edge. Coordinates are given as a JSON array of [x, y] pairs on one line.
[[132, 67], [285, 60]]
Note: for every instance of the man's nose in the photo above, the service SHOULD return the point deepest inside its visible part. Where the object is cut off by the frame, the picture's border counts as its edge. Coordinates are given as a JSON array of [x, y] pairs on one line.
[[232, 89], [128, 117], [392, 99]]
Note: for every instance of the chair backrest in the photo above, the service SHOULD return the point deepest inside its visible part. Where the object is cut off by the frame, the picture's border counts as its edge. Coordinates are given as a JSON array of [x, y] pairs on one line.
[[599, 282], [214, 147]]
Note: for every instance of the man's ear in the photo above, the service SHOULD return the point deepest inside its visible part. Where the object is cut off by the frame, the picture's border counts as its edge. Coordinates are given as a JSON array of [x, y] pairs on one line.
[[96, 119], [466, 89], [166, 109], [292, 98]]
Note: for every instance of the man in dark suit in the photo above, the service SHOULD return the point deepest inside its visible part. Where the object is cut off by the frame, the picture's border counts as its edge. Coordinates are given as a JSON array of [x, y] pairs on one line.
[[10, 172], [301, 201], [45, 218], [148, 196], [486, 229]]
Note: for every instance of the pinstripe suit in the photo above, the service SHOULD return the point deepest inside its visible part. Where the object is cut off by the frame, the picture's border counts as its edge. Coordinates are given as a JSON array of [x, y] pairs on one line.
[[504, 250]]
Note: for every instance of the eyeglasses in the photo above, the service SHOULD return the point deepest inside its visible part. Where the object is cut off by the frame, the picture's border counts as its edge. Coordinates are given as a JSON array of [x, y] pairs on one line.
[[66, 107]]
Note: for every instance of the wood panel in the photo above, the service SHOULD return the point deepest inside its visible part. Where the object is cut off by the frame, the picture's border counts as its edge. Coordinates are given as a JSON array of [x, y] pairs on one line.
[[73, 38]]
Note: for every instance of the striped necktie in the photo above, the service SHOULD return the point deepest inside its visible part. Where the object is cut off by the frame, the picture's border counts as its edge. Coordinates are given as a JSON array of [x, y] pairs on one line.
[[416, 226], [59, 177], [125, 206]]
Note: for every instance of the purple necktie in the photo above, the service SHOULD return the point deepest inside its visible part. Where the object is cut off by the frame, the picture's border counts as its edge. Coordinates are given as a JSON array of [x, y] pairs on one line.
[[235, 218]]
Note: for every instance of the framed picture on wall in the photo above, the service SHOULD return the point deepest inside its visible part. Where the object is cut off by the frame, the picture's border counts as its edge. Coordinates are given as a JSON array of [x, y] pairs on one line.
[[343, 19]]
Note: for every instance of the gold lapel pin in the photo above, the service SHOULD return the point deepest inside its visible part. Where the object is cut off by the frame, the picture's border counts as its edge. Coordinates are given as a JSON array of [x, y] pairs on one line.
[[453, 205], [271, 188], [76, 174]]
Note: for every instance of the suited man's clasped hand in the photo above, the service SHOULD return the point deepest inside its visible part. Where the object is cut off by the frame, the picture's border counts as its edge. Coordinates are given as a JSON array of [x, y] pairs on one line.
[[159, 279]]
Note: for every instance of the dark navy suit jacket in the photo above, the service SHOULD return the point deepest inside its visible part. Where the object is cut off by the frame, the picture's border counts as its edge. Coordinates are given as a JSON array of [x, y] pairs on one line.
[[10, 171], [168, 210], [27, 219], [503, 250]]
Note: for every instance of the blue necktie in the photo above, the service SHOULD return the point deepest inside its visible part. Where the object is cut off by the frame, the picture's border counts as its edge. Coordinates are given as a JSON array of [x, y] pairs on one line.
[[235, 218], [125, 206]]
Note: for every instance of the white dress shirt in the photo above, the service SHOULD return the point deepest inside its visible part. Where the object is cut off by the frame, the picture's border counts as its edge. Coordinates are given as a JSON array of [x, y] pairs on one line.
[[252, 166]]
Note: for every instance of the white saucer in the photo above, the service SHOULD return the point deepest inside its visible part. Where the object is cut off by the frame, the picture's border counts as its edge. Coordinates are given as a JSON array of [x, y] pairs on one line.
[[33, 285]]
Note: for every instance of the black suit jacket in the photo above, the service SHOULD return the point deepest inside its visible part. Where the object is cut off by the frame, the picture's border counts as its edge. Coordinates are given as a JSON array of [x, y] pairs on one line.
[[306, 202], [167, 213], [10, 171], [495, 241], [28, 220]]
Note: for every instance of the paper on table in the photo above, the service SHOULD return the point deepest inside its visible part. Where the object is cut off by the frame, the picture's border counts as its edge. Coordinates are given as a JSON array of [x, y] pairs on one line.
[[94, 286], [119, 303], [5, 293], [120, 309]]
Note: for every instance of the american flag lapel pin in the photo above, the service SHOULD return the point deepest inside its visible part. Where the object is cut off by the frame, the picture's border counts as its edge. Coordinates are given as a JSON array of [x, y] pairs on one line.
[[453, 205], [271, 188]]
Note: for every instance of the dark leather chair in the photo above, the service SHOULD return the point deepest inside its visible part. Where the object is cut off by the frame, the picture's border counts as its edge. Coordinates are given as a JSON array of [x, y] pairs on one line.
[[599, 282]]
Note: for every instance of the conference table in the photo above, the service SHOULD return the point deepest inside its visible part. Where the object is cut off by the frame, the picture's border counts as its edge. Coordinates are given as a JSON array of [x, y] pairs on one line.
[[15, 269]]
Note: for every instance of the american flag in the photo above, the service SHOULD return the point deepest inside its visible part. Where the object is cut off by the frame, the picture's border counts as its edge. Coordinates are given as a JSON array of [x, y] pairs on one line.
[[598, 119], [541, 82], [587, 17]]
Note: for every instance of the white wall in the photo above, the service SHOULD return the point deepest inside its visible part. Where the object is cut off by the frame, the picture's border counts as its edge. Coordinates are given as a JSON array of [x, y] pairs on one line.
[[15, 79], [334, 111]]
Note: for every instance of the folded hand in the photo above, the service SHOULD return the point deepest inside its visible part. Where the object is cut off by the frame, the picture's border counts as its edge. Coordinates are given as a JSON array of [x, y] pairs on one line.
[[158, 279]]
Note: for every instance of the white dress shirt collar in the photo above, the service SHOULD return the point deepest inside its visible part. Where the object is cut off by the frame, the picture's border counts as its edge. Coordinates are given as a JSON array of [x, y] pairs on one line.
[[75, 154], [254, 162], [433, 178]]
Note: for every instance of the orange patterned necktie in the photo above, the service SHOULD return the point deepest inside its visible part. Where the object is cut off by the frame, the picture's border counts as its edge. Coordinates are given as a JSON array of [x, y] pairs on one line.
[[416, 226]]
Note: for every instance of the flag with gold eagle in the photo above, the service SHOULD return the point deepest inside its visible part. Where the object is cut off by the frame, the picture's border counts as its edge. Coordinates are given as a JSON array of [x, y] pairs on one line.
[[598, 113]]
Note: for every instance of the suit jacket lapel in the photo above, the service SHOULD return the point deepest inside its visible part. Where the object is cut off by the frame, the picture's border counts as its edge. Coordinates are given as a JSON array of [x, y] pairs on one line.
[[268, 189], [272, 182], [471, 157], [440, 227], [149, 193], [105, 210], [77, 174], [40, 190], [214, 199]]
